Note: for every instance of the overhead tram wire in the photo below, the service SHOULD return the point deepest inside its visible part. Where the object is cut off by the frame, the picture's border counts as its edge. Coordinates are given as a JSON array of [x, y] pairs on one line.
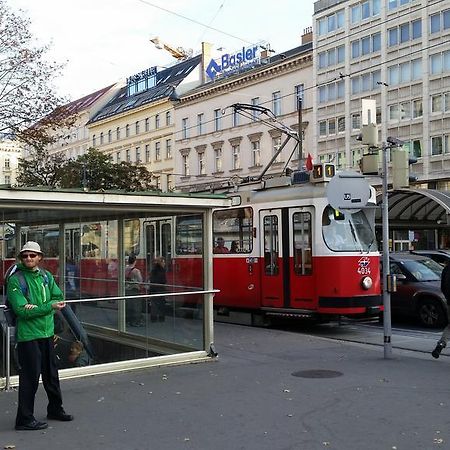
[[345, 36], [145, 2]]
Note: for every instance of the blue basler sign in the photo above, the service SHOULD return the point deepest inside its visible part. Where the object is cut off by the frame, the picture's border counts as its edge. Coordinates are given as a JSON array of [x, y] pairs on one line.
[[231, 63]]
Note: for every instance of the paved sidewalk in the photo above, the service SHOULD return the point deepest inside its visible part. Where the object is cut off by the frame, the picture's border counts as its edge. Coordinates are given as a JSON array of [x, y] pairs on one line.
[[251, 397]]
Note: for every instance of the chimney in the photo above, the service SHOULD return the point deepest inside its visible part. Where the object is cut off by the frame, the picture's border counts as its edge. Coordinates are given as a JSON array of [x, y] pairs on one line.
[[206, 58], [307, 35]]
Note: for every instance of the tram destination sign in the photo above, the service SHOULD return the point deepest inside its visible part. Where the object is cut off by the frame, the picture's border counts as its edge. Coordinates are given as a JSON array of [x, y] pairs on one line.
[[348, 191]]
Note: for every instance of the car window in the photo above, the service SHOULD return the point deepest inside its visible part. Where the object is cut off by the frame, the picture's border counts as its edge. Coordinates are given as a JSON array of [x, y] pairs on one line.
[[423, 269]]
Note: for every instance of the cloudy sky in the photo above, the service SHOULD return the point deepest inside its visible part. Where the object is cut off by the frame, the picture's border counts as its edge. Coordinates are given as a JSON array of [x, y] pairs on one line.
[[103, 41]]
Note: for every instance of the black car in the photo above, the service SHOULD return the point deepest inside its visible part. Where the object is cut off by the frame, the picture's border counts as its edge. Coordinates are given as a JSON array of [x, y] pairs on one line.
[[418, 292], [440, 256]]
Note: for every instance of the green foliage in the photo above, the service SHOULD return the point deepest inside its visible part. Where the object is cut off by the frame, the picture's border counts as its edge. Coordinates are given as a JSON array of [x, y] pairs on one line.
[[92, 171]]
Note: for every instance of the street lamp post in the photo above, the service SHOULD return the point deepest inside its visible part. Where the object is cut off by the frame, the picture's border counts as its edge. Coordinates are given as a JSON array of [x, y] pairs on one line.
[[386, 269]]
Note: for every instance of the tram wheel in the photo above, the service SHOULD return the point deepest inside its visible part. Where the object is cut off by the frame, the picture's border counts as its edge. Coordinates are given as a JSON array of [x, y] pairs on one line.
[[431, 313]]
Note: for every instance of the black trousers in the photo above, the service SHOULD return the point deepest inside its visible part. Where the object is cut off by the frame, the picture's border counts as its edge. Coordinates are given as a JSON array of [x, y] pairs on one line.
[[37, 358]]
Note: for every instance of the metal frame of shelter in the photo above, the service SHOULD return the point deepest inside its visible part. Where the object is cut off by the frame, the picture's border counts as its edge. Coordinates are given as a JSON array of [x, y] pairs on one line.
[[417, 209], [42, 206]]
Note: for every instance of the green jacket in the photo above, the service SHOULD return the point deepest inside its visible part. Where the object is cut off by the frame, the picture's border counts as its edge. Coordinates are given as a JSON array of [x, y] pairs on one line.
[[36, 323]]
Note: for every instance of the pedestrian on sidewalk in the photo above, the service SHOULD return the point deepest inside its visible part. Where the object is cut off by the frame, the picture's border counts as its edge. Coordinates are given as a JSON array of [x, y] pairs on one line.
[[445, 288], [35, 336]]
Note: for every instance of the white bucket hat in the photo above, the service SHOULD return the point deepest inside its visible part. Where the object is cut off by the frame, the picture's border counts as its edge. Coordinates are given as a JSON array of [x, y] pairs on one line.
[[31, 246]]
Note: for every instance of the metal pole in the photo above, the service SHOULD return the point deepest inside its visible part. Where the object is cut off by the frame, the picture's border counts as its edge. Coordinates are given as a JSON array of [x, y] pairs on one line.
[[386, 269], [8, 359], [300, 132]]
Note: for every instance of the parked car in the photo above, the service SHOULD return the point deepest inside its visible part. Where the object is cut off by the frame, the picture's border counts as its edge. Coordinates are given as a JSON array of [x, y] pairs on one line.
[[418, 292], [440, 256]]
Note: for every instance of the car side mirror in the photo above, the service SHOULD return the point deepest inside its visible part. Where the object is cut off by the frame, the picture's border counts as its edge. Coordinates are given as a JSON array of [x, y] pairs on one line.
[[400, 276]]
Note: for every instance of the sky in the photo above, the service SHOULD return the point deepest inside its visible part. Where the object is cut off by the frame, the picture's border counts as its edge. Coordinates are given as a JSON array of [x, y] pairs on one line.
[[104, 41]]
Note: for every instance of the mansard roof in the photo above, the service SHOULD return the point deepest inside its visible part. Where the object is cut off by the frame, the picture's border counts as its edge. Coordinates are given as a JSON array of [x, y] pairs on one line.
[[166, 82], [85, 102]]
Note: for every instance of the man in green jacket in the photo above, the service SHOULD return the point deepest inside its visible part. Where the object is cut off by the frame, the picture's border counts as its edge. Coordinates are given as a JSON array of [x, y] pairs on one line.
[[35, 331]]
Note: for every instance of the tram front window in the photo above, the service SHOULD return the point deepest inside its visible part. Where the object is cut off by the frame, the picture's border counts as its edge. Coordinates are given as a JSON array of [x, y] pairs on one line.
[[347, 232]]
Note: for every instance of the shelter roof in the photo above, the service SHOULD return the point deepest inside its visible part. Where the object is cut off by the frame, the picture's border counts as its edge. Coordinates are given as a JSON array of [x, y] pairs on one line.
[[421, 207]]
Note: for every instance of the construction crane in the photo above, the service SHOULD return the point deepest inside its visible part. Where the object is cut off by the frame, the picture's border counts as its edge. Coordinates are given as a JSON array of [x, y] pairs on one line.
[[179, 53]]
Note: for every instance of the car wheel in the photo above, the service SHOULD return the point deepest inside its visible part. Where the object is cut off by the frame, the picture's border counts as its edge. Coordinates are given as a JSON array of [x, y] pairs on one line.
[[431, 313]]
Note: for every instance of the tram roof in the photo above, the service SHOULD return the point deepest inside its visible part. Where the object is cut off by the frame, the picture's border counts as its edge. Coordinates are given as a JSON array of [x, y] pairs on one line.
[[39, 205], [423, 208]]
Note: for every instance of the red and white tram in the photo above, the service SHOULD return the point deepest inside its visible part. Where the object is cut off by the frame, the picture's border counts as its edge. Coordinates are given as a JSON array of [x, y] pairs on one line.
[[283, 250]]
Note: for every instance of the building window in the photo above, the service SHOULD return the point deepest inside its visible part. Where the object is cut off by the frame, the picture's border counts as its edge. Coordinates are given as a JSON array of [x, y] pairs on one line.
[[109, 136], [417, 108], [169, 118], [158, 182], [94, 140], [200, 121], [356, 121], [201, 163], [137, 127], [138, 154], [147, 153], [218, 159], [323, 128], [276, 103], [276, 144], [217, 120], [158, 151], [7, 163], [157, 121], [341, 124], [331, 23], [236, 155], [118, 133], [185, 165], [127, 130], [235, 118], [128, 155], [184, 128], [101, 138], [118, 157], [299, 96], [7, 179], [332, 126], [168, 148], [147, 124], [256, 153], [255, 114], [170, 185], [440, 21]]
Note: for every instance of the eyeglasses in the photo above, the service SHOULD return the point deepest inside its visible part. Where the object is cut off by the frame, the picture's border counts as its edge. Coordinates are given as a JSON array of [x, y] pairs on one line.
[[28, 255]]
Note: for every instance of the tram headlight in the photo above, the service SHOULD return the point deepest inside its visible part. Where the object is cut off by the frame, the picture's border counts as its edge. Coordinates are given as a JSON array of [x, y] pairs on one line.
[[366, 283]]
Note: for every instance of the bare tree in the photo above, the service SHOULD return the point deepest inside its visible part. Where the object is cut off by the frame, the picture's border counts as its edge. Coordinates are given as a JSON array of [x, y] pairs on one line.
[[30, 110]]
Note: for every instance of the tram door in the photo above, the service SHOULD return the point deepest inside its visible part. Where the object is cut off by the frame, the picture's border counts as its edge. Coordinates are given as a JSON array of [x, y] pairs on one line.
[[301, 280], [272, 267], [158, 241]]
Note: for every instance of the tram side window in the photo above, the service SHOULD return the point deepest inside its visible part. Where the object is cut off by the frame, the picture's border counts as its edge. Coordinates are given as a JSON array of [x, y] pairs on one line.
[[189, 235], [91, 240], [132, 237], [302, 243], [233, 230], [271, 252]]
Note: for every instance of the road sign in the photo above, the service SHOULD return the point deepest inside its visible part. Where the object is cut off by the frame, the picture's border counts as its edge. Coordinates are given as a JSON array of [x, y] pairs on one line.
[[348, 191]]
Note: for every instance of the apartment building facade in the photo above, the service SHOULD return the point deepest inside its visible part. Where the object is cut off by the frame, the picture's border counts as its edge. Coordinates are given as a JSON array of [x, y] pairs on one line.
[[398, 53], [137, 124], [216, 145], [10, 153]]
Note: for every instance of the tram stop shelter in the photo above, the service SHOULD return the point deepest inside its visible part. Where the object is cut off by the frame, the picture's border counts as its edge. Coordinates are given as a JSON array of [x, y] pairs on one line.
[[417, 217], [113, 320]]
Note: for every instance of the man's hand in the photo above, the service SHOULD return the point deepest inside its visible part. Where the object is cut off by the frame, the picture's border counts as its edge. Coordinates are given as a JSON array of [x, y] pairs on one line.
[[59, 305], [30, 306]]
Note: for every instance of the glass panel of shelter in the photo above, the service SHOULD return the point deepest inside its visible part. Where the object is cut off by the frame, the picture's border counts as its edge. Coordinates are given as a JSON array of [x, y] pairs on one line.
[[92, 271]]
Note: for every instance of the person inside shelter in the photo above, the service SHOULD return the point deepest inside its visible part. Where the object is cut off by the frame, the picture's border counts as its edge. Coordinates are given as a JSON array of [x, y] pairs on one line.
[[220, 246]]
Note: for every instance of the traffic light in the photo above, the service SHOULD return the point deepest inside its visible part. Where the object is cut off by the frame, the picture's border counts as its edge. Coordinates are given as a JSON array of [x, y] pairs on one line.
[[401, 160]]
